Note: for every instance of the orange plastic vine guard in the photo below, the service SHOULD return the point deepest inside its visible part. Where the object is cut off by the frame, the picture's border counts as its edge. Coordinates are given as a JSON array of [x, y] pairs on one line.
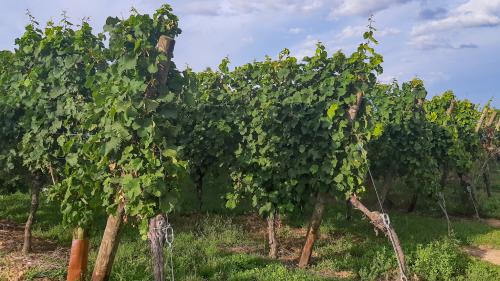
[[78, 260]]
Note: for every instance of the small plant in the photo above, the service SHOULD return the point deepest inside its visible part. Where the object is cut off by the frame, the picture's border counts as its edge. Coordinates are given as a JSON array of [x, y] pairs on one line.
[[380, 266], [439, 261]]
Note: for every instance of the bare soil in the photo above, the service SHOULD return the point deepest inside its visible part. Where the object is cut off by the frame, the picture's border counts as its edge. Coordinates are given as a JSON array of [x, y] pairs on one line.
[[14, 266], [484, 253]]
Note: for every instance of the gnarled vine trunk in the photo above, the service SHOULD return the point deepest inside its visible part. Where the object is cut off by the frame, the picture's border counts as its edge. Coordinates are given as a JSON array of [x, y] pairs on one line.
[[413, 203], [313, 230], [377, 221], [36, 187], [272, 225], [109, 245], [199, 188]]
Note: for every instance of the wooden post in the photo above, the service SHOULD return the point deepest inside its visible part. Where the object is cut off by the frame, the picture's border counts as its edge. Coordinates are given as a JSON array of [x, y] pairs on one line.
[[481, 119], [450, 109], [156, 238], [77, 267], [110, 240], [491, 119], [166, 46], [36, 186], [109, 245]]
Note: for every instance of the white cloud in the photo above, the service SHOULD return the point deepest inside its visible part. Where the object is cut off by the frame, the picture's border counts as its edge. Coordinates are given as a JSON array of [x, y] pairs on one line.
[[357, 31], [242, 7], [295, 30], [473, 13], [247, 39], [305, 48], [202, 8], [434, 41], [362, 7], [351, 31]]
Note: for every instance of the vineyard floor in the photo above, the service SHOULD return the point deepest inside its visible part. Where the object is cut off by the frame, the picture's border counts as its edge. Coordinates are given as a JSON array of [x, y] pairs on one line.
[[232, 247]]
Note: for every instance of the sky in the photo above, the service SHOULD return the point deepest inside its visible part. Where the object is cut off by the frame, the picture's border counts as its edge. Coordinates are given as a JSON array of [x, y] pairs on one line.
[[451, 45]]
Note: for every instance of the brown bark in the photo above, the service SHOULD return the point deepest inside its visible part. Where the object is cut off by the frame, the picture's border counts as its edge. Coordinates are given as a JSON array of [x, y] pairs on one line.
[[156, 236], [450, 109], [468, 192], [481, 119], [36, 186], [199, 189], [377, 220], [491, 119], [272, 224], [386, 187], [413, 203], [165, 45], [109, 245], [312, 230], [486, 180], [497, 126], [79, 256], [354, 109]]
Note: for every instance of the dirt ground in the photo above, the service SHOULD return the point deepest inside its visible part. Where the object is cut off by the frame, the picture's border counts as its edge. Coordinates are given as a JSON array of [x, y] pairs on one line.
[[14, 266], [47, 255], [484, 253]]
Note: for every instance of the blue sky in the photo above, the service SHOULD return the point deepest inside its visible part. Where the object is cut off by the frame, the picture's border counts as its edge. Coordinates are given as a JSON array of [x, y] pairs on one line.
[[449, 44]]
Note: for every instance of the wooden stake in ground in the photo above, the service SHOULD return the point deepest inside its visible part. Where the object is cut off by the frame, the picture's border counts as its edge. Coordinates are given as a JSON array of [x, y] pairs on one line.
[[156, 237], [36, 186], [166, 46], [109, 245], [491, 119], [77, 268], [110, 241], [319, 206], [481, 119]]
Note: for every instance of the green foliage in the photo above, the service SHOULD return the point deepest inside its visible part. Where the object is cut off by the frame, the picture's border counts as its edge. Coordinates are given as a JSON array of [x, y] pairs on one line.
[[128, 154], [405, 147], [297, 139], [209, 135], [458, 144], [439, 261], [380, 267]]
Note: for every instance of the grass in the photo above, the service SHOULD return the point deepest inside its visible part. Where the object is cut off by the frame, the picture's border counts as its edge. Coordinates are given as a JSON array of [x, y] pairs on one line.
[[219, 246]]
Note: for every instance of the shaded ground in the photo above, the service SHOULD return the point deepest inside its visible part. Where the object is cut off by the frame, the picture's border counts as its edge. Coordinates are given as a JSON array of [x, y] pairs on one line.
[[484, 253], [210, 247], [14, 266]]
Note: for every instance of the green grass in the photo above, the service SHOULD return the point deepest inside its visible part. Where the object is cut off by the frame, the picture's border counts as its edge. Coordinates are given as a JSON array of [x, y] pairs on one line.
[[203, 242]]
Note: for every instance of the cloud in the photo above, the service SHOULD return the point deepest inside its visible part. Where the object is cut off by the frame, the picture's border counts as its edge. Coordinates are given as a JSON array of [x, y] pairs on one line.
[[473, 13], [357, 31], [247, 39], [295, 30], [202, 8], [363, 7], [243, 7], [430, 14], [433, 41]]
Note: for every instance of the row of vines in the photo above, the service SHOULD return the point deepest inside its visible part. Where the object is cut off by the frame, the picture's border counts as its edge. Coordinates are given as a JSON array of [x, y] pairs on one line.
[[108, 121]]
